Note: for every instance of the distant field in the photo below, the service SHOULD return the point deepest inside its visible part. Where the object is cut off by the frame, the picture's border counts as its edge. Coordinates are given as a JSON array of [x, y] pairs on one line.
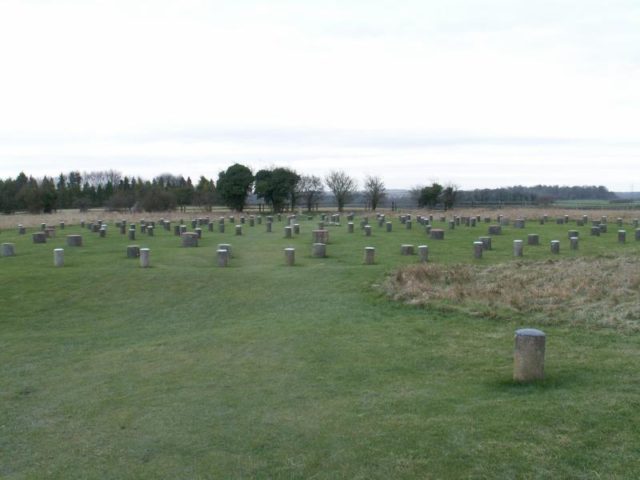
[[258, 370]]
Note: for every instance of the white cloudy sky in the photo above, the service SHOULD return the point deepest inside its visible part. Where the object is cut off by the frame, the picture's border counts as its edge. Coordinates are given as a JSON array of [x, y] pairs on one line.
[[479, 93]]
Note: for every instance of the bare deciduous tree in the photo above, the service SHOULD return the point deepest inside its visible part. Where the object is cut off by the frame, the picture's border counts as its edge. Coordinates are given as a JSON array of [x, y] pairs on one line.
[[342, 186], [310, 189], [374, 191]]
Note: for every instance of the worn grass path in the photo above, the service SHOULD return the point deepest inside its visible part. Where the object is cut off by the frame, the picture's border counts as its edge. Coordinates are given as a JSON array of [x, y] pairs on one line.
[[185, 370]]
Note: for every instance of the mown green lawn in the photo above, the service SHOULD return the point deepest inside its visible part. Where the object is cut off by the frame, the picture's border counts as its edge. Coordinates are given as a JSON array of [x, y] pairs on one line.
[[187, 370]]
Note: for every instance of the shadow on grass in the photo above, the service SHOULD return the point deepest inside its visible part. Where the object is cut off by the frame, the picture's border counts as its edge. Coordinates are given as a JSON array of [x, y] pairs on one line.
[[557, 381]]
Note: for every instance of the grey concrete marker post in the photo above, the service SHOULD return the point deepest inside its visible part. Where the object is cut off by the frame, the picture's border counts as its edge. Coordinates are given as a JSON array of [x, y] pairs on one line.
[[367, 230], [319, 250], [528, 355], [74, 240], [290, 256], [369, 255], [58, 257], [8, 249], [533, 239], [144, 257], [486, 242], [288, 231], [555, 246], [223, 257], [573, 243], [478, 247], [389, 226], [622, 236], [238, 229], [517, 248], [423, 253], [406, 249]]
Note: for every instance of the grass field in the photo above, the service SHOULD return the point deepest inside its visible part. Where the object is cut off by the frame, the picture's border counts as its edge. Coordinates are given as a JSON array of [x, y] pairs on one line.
[[258, 370]]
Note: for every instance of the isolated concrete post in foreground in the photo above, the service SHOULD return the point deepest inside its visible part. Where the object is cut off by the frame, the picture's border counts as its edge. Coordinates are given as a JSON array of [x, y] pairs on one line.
[[555, 246], [58, 257], [517, 248], [369, 255], [144, 257], [8, 249], [528, 355], [423, 253], [290, 256], [478, 247], [573, 243], [406, 249], [239, 229], [319, 250], [223, 257], [622, 236], [225, 246]]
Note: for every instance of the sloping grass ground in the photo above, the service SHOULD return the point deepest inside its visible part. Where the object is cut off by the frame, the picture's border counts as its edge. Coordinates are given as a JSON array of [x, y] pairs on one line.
[[186, 370]]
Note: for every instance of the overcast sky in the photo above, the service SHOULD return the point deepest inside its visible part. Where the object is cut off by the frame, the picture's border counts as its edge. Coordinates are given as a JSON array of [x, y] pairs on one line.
[[478, 93]]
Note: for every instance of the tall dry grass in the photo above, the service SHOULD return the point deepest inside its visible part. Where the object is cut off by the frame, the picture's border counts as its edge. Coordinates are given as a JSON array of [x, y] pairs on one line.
[[588, 292]]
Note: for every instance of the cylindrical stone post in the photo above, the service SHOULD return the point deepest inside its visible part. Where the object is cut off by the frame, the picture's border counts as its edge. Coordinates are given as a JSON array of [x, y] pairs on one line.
[[221, 227], [238, 229], [319, 250], [269, 226], [199, 232], [8, 249], [423, 253], [369, 255], [223, 257], [595, 231], [533, 239], [436, 234], [528, 355], [573, 243], [39, 237], [290, 256], [74, 240], [103, 231], [555, 246], [252, 221], [61, 225], [367, 230], [189, 239], [350, 227], [150, 230], [486, 242], [478, 247], [637, 233], [288, 231], [21, 230], [389, 226], [133, 251], [132, 233], [58, 257], [495, 230], [517, 248], [408, 224], [622, 236], [296, 229], [452, 224], [406, 249], [573, 233], [144, 257]]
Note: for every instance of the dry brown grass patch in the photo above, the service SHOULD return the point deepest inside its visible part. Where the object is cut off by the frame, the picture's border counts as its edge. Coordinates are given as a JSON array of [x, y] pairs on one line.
[[592, 292]]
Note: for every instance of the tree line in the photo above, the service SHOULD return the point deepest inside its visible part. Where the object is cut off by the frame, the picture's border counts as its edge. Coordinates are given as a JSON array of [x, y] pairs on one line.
[[278, 188]]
